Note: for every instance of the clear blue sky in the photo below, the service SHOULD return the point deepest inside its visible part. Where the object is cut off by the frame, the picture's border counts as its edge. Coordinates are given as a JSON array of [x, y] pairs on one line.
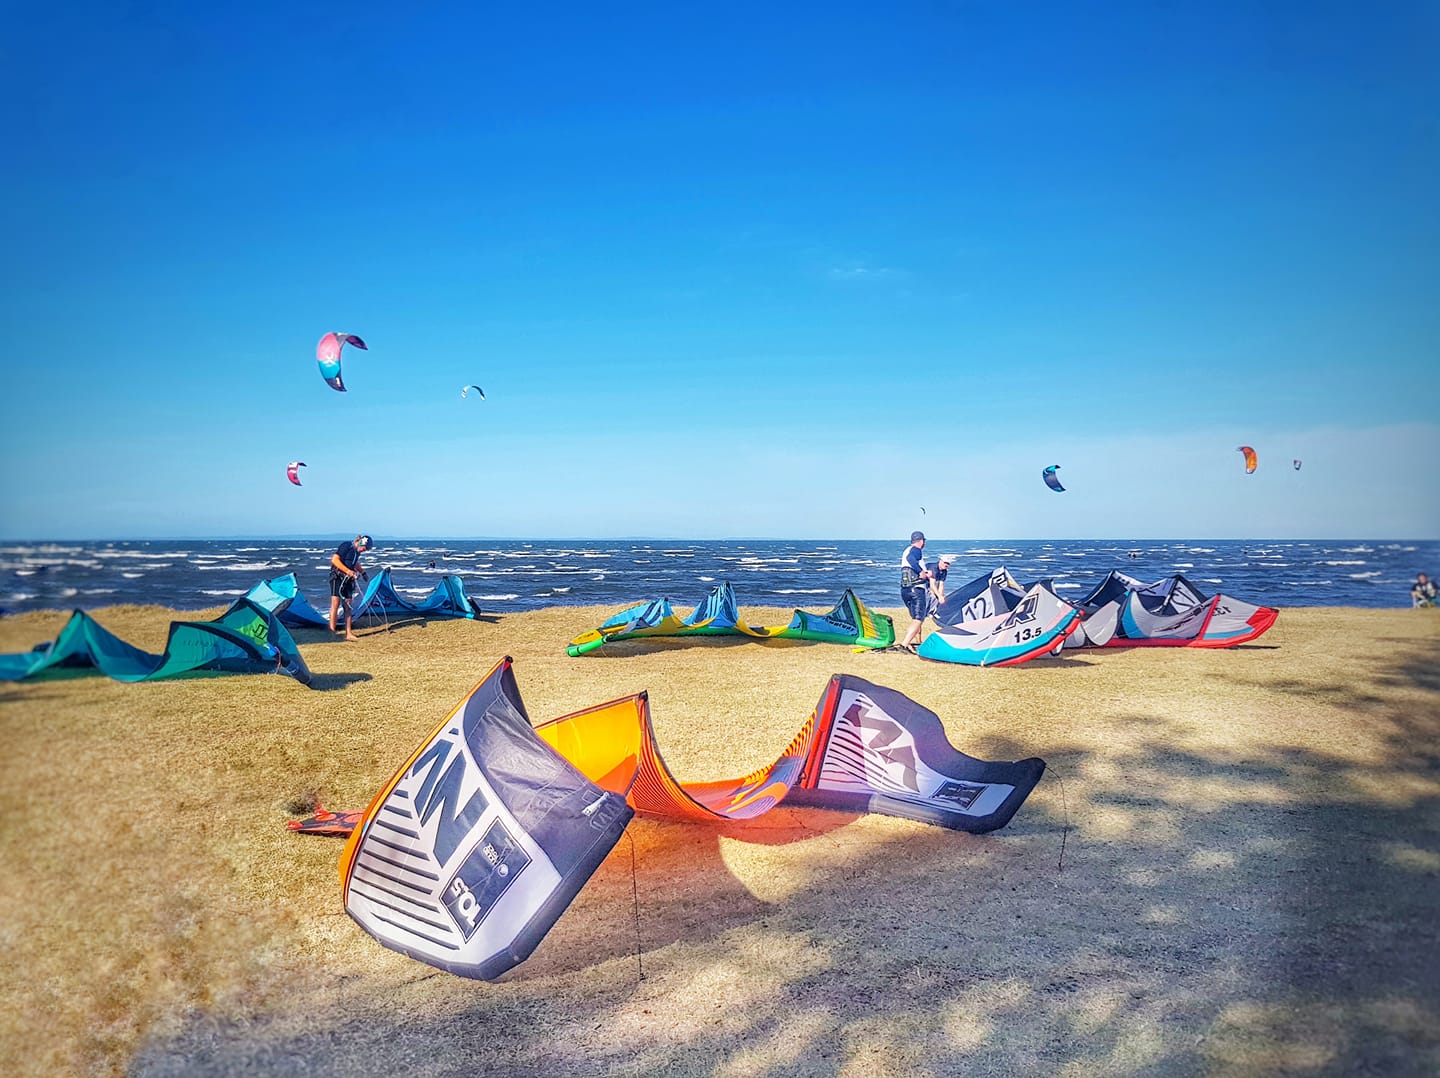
[[762, 270]]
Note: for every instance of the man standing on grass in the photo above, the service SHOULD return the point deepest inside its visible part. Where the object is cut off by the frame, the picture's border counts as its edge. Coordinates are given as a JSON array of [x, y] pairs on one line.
[[914, 589], [344, 571]]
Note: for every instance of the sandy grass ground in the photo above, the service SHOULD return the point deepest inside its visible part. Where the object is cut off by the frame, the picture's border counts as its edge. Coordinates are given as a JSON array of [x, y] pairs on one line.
[[1249, 885]]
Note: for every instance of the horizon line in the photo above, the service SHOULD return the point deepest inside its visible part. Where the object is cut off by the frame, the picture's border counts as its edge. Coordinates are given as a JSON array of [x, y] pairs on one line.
[[395, 537]]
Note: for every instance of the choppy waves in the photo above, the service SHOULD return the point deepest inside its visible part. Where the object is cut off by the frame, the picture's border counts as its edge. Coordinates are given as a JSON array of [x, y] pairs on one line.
[[511, 576]]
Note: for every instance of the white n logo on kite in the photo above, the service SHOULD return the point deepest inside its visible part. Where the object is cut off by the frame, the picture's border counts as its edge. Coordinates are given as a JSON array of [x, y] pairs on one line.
[[441, 792], [891, 742]]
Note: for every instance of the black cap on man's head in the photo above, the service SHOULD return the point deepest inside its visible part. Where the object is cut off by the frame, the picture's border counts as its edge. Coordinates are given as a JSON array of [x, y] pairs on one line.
[[915, 537], [364, 542]]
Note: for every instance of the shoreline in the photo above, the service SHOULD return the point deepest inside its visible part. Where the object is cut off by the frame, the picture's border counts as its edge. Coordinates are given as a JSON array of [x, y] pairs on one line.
[[898, 613]]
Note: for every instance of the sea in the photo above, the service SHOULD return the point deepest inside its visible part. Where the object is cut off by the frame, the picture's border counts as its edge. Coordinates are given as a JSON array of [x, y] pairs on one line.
[[515, 575]]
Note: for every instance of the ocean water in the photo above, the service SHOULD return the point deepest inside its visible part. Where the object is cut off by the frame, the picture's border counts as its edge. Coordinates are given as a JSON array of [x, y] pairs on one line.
[[517, 575]]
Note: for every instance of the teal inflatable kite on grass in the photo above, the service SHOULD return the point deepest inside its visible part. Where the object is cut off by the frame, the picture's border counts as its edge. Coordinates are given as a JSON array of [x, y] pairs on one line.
[[850, 622], [246, 639], [282, 597]]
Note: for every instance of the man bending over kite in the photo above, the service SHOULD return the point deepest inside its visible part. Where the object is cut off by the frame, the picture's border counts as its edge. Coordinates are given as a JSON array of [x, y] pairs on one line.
[[344, 571]]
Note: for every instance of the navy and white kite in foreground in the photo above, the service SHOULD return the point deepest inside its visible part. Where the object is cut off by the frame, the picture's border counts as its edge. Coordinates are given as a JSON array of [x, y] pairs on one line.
[[480, 841], [476, 846]]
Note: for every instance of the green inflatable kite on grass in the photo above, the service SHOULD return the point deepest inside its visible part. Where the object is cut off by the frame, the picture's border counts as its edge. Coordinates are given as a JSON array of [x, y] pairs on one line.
[[850, 622]]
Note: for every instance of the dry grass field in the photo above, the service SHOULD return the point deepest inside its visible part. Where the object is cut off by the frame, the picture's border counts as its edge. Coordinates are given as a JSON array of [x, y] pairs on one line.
[[1250, 879]]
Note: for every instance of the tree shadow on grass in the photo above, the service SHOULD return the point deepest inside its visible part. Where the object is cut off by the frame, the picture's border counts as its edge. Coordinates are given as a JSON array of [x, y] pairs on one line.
[[1257, 911], [329, 682]]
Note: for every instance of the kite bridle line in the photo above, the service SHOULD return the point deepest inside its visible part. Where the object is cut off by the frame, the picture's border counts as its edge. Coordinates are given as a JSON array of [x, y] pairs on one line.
[[348, 601], [1065, 828], [384, 614], [635, 901]]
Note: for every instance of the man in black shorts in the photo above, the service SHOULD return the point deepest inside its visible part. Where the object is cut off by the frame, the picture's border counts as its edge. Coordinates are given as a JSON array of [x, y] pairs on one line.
[[344, 571], [914, 588]]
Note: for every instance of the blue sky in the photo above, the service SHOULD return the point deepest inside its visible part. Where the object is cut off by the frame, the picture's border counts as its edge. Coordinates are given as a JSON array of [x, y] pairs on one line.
[[769, 270]]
